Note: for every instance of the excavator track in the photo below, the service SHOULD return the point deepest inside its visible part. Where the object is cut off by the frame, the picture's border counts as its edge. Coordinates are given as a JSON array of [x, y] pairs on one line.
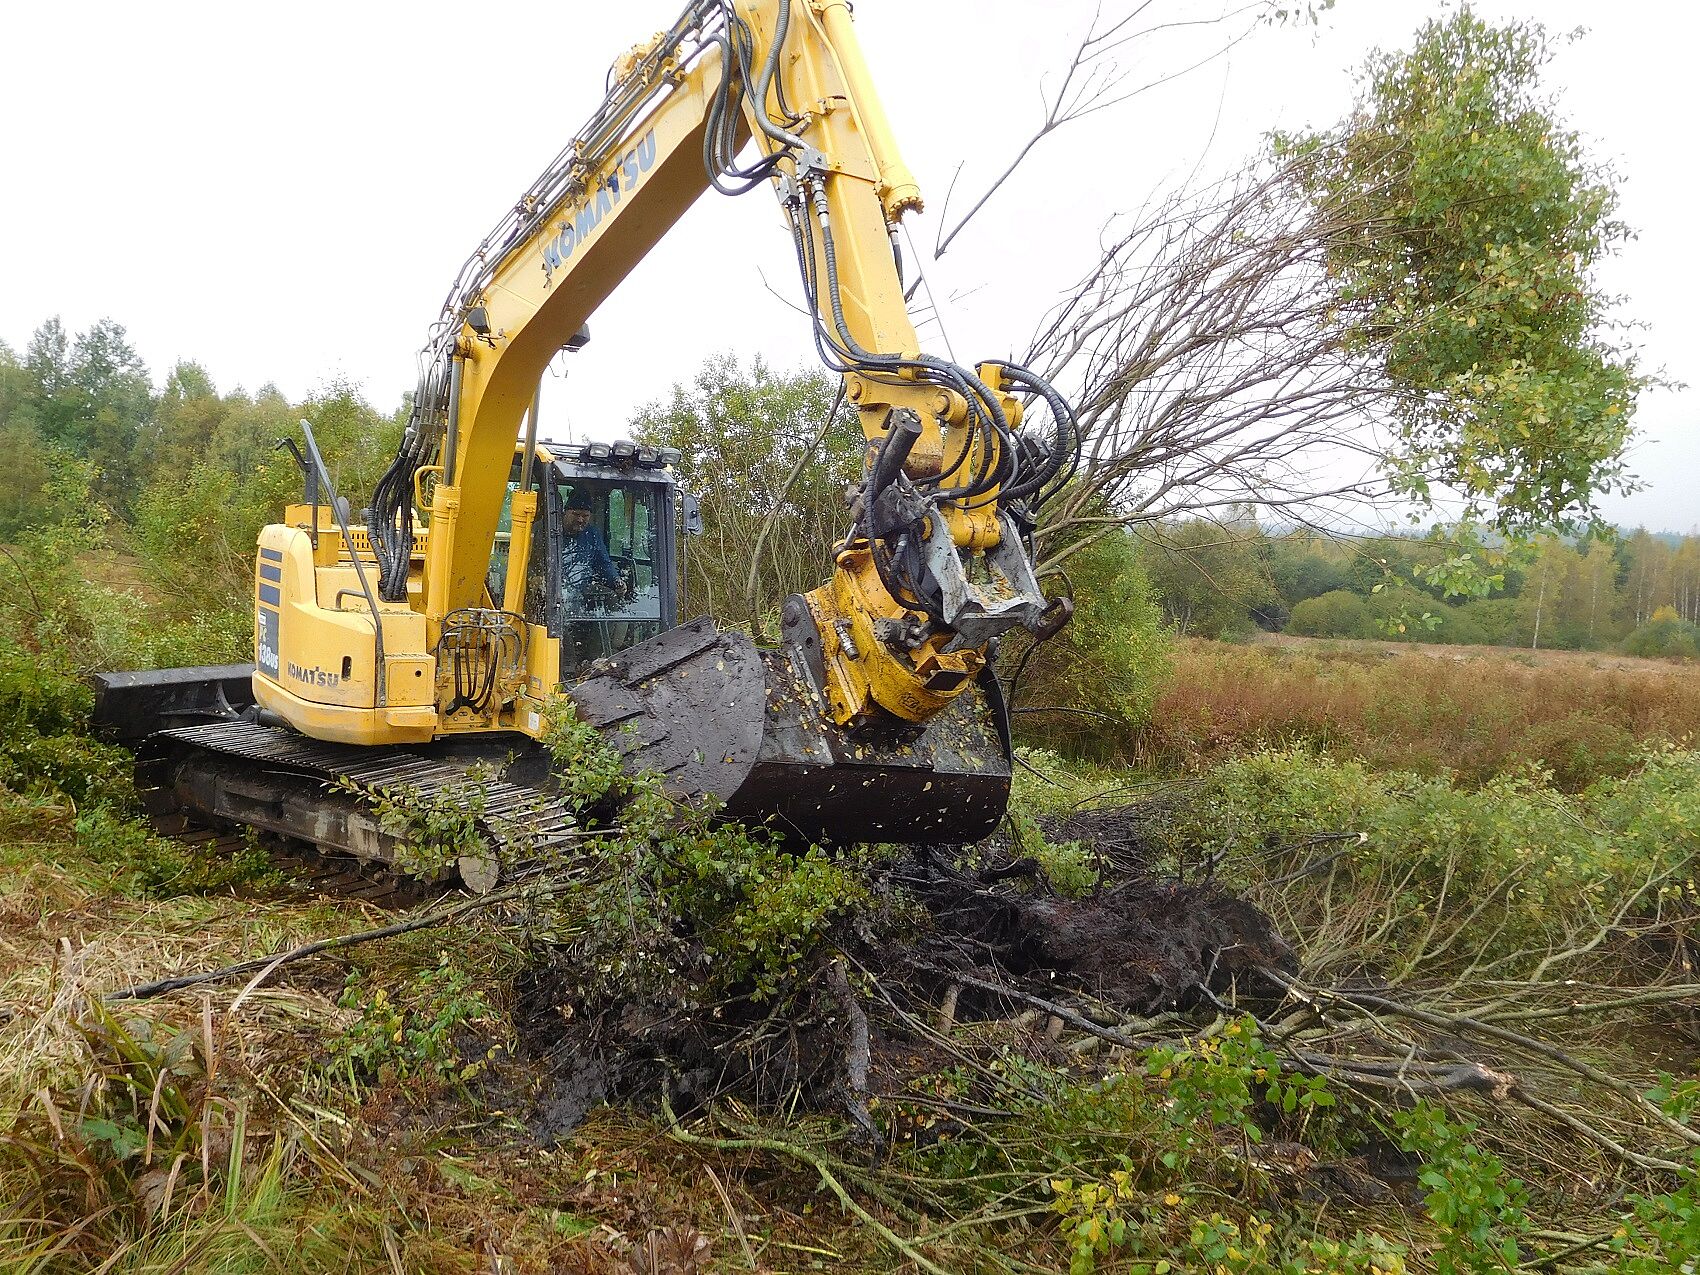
[[307, 867], [307, 792]]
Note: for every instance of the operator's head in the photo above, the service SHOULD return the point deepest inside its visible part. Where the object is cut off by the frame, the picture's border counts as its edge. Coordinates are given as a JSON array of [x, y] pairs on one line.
[[577, 510]]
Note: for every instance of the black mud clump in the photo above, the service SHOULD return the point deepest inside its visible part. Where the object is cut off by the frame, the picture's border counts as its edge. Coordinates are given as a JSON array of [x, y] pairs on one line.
[[981, 932], [1141, 944], [689, 1051]]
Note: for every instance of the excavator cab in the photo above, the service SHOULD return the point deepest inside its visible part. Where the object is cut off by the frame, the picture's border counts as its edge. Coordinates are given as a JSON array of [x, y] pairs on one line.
[[602, 574]]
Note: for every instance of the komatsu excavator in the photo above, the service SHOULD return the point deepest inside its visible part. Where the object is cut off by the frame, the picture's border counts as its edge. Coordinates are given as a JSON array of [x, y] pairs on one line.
[[396, 648]]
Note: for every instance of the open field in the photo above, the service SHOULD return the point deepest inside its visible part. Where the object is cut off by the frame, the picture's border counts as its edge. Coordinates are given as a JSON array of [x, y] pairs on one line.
[[1583, 662], [1472, 711]]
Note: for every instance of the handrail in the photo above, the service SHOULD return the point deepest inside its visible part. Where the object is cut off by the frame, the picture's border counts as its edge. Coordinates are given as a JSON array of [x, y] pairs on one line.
[[380, 689]]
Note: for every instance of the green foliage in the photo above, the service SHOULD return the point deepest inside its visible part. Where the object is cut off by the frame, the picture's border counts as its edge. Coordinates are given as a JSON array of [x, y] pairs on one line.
[[43, 748], [1467, 224], [436, 828], [417, 1035], [141, 863], [589, 771], [1336, 614], [1533, 861], [676, 895], [1108, 662], [1149, 1169], [1070, 868], [1208, 574], [1470, 1195], [1217, 1083], [1661, 1231], [1547, 591], [741, 434], [1666, 636], [218, 480]]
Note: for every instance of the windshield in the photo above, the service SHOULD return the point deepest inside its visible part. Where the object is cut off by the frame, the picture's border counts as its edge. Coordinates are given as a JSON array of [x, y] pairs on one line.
[[608, 550]]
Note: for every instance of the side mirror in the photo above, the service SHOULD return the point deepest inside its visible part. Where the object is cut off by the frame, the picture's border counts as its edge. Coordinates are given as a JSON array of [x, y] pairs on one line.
[[691, 508]]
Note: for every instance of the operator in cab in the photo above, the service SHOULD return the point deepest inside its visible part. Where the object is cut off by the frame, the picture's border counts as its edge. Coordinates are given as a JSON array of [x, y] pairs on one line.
[[589, 578]]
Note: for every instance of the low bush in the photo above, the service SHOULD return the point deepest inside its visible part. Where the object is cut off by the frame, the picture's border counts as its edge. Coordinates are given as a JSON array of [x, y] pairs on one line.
[[676, 898], [1442, 879], [1665, 636], [1335, 614]]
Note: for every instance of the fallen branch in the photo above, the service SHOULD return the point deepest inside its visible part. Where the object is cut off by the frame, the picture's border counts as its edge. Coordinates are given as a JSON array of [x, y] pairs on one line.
[[1067, 1015], [1658, 996], [858, 1057], [268, 964], [1465, 1025]]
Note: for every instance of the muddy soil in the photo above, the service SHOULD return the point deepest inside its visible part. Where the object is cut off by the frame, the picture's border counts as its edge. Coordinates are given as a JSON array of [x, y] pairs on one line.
[[1141, 945]]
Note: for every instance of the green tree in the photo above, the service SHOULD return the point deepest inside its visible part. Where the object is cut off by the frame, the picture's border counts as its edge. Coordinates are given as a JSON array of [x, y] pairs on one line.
[[1554, 564], [90, 397], [1647, 571], [26, 498], [1208, 575], [1305, 565], [1472, 221], [758, 445], [197, 519], [1416, 284], [1587, 598], [1093, 685]]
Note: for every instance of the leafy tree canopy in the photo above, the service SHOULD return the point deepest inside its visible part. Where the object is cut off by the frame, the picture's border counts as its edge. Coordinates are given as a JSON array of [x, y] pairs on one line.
[[1469, 221]]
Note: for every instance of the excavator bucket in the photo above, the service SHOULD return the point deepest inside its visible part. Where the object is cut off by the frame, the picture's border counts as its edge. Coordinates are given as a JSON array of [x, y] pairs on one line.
[[716, 715]]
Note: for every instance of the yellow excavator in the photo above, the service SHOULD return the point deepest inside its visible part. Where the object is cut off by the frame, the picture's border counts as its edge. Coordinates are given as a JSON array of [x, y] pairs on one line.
[[493, 570]]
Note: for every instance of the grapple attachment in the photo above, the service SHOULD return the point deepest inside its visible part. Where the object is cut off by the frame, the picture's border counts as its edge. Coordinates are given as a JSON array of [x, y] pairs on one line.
[[714, 714]]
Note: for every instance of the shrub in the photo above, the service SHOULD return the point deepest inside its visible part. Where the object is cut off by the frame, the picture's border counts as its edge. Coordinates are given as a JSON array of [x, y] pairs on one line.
[[1665, 636], [1336, 614], [1106, 668], [139, 862], [673, 891], [1441, 875]]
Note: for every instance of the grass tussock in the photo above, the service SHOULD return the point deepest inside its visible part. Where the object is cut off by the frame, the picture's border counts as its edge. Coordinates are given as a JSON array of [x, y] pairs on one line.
[[1474, 716]]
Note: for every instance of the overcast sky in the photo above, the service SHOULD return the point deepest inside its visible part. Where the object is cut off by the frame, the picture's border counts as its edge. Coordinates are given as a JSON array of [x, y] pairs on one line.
[[283, 193]]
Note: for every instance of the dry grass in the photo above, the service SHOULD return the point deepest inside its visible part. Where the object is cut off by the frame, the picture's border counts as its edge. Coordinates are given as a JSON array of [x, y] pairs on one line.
[[1470, 711]]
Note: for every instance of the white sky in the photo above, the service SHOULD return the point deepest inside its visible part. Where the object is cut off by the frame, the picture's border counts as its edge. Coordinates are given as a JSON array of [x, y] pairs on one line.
[[283, 193]]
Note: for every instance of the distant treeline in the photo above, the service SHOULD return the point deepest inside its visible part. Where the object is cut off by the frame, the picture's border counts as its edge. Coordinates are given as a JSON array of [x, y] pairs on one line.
[[182, 476], [1637, 592]]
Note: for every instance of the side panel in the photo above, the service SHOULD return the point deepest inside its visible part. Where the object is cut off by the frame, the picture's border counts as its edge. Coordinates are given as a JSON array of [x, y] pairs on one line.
[[315, 657], [317, 653]]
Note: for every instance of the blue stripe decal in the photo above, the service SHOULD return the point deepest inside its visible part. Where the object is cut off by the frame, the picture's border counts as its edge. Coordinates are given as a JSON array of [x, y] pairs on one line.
[[273, 555], [269, 594], [274, 574]]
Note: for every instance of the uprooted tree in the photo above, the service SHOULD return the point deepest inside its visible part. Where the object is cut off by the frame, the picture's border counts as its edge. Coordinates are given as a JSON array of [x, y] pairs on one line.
[[1400, 311], [1399, 308]]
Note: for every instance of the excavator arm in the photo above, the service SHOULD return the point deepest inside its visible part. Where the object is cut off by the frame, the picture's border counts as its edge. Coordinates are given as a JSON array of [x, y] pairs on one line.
[[935, 568]]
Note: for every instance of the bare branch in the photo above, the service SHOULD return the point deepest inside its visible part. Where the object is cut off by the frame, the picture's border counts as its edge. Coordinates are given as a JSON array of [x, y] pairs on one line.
[[1093, 82]]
